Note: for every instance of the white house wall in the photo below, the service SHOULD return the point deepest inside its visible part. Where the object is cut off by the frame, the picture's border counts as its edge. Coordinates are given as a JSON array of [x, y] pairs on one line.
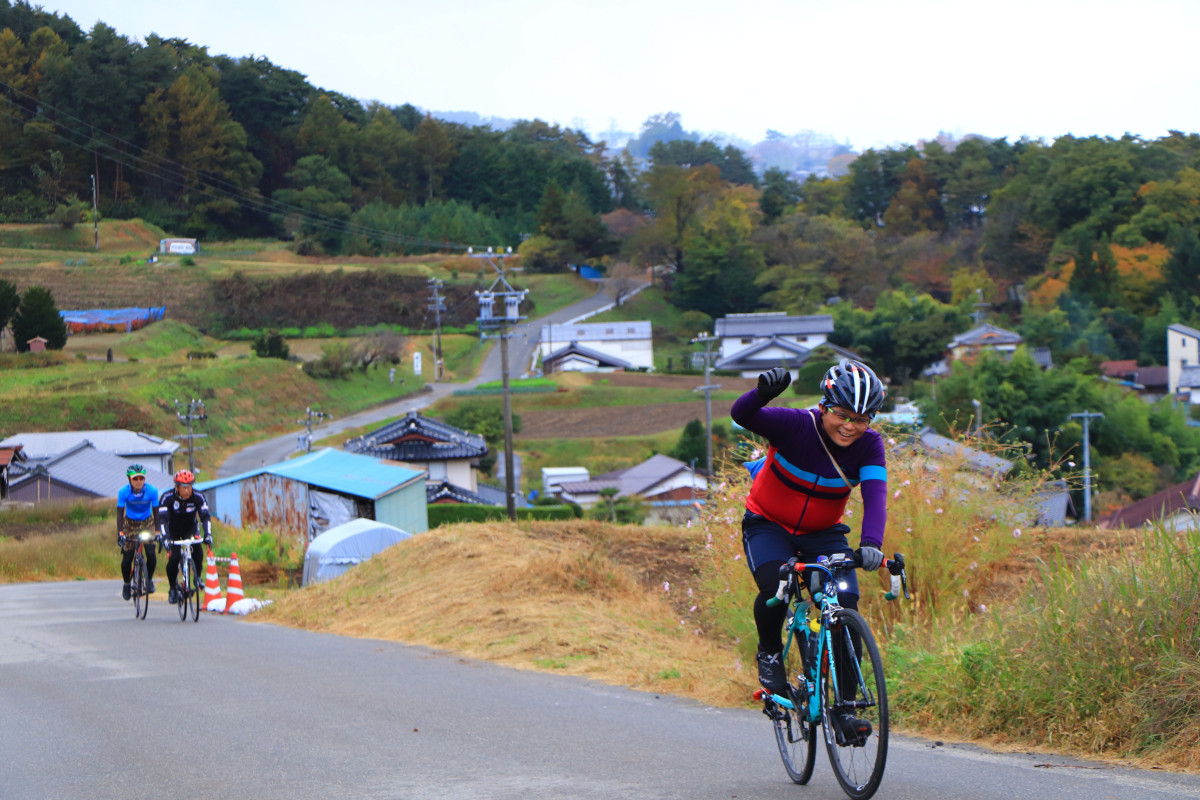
[[1183, 350], [638, 352]]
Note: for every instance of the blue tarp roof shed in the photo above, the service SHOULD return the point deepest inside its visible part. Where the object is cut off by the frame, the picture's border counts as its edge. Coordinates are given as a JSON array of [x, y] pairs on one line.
[[335, 470]]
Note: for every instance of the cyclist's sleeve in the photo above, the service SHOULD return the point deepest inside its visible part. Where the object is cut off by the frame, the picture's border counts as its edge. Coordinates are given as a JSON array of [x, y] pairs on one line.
[[873, 485], [122, 496], [751, 413], [205, 517]]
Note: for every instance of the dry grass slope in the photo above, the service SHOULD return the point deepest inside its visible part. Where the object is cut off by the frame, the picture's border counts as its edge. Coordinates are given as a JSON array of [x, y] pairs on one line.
[[582, 598]]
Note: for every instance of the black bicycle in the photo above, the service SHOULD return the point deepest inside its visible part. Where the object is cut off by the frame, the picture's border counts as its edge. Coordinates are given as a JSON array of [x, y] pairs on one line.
[[137, 580], [835, 677]]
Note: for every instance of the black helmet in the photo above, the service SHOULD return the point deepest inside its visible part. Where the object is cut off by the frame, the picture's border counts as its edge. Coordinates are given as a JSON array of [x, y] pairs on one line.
[[853, 386], [136, 469]]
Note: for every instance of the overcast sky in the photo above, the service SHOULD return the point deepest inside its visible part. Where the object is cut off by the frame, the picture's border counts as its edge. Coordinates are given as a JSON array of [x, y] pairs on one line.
[[869, 72]]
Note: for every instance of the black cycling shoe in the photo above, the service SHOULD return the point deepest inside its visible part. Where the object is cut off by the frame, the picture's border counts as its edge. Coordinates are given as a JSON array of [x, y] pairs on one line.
[[125, 592], [149, 587], [770, 673], [850, 729], [173, 596]]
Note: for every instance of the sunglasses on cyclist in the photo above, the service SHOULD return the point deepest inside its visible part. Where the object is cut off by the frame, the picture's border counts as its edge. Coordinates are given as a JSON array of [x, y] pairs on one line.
[[845, 419]]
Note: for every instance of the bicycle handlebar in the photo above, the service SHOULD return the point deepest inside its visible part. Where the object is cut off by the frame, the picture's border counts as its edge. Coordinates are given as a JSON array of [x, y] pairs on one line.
[[841, 562]]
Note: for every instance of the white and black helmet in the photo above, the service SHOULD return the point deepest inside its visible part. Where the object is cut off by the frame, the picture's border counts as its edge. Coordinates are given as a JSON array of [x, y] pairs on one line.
[[853, 386]]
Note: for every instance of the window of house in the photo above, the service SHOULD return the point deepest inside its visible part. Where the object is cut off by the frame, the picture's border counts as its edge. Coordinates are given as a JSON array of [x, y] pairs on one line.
[[747, 340], [608, 330], [437, 470]]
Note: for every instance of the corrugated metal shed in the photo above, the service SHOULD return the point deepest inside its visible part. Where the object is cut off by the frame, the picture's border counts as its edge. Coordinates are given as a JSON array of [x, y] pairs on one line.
[[336, 470], [304, 495]]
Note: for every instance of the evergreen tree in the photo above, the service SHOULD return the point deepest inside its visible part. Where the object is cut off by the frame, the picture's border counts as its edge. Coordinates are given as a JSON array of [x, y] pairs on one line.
[[10, 298], [37, 315]]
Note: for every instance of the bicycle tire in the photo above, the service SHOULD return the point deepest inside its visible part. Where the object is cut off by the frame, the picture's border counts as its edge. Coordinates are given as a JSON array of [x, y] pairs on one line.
[[795, 735], [858, 767], [181, 594], [141, 601], [197, 591]]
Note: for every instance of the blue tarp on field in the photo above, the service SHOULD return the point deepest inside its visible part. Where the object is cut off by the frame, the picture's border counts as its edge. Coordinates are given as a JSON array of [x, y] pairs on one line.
[[111, 319]]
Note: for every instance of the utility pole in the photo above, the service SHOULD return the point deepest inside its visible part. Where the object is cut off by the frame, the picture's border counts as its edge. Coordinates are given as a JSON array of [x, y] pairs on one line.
[[187, 414], [437, 306], [307, 422], [95, 213], [1087, 462], [488, 321], [707, 388]]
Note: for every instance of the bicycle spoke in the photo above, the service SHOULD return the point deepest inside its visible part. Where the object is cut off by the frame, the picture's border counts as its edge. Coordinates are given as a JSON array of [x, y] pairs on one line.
[[854, 691]]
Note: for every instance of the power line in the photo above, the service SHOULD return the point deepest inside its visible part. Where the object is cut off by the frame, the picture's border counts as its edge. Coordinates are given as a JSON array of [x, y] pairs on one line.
[[187, 178]]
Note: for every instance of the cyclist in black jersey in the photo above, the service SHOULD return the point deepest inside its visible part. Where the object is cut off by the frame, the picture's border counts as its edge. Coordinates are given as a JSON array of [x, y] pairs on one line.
[[179, 512]]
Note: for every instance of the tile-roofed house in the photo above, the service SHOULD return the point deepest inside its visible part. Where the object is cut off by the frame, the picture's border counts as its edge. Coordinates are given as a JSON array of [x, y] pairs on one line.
[[973, 458], [442, 451], [774, 352], [80, 473], [657, 475], [134, 447], [1149, 382], [8, 456], [748, 339], [305, 496], [968, 345], [1175, 508], [576, 358], [629, 342]]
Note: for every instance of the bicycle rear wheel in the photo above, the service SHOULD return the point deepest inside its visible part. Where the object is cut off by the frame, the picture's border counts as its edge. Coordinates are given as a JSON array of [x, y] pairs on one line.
[[796, 737], [197, 590], [858, 761], [137, 587]]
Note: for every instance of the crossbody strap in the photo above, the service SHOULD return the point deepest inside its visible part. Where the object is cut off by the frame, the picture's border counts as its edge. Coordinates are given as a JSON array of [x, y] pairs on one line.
[[821, 439]]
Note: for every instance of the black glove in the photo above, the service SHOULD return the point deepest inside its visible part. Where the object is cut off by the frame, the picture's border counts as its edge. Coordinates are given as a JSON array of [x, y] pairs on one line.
[[121, 540], [872, 557], [772, 383], [208, 538]]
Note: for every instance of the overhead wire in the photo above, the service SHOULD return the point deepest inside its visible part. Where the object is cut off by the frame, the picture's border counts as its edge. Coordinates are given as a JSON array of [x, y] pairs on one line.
[[190, 179]]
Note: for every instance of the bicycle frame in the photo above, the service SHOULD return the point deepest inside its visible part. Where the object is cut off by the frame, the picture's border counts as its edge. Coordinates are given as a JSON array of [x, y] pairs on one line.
[[187, 576]]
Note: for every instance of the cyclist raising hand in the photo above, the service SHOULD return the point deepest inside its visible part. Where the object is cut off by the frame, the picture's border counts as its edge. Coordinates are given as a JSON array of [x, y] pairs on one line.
[[135, 512], [179, 512], [815, 458]]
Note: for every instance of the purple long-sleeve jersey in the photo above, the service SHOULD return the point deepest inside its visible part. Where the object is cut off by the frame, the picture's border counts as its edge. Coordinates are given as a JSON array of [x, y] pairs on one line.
[[798, 487]]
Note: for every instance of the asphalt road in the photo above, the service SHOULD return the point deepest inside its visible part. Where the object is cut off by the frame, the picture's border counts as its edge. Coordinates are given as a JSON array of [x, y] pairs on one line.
[[523, 341], [96, 705]]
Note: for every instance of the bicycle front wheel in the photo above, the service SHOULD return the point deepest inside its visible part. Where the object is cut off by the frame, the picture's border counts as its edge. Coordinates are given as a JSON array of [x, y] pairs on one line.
[[141, 601], [854, 706], [181, 594], [197, 590], [796, 737]]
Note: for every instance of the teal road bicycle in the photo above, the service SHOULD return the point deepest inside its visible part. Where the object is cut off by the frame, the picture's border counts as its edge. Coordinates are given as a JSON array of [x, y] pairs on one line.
[[835, 676]]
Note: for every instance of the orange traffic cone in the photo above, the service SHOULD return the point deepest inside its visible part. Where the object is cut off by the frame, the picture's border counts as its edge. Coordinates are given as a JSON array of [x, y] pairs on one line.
[[233, 588], [212, 584]]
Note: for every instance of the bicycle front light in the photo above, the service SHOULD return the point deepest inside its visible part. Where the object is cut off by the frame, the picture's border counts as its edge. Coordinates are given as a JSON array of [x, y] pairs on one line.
[[145, 536]]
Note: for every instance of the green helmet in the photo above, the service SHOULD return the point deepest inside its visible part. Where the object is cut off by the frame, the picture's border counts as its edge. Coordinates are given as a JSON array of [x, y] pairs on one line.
[[136, 469]]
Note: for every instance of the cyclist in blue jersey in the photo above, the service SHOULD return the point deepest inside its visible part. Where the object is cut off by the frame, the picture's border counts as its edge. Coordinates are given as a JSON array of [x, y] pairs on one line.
[[136, 502], [815, 457]]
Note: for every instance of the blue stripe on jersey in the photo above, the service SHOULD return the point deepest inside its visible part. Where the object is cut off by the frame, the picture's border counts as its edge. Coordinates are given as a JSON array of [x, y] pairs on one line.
[[872, 472], [810, 477]]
